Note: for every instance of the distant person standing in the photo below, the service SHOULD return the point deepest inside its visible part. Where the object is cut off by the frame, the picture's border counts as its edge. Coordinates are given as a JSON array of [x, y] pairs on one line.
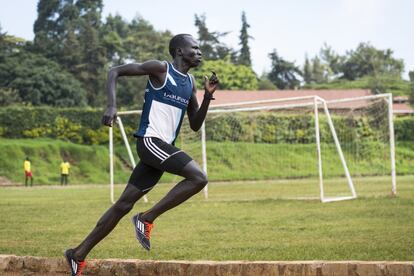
[[64, 172], [28, 172]]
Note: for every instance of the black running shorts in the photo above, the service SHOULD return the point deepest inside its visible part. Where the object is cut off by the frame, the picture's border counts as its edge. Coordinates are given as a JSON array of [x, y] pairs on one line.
[[156, 157]]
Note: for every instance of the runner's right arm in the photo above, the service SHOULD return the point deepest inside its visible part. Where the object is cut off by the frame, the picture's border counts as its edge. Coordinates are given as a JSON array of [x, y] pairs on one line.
[[156, 70]]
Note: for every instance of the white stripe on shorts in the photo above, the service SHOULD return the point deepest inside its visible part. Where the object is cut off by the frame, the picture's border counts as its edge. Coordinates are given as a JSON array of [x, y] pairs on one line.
[[170, 156], [156, 148], [154, 152]]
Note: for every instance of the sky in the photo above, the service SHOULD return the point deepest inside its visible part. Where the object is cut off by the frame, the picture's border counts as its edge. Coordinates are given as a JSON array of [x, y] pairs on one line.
[[294, 28]]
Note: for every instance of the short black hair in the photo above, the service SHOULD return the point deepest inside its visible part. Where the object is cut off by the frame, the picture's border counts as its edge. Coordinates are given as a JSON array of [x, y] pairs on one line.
[[177, 42]]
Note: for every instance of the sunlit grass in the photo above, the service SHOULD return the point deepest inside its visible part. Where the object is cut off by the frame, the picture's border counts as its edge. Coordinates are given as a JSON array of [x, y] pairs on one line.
[[239, 221]]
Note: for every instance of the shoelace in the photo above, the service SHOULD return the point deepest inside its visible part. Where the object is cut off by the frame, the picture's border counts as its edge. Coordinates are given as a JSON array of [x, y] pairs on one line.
[[148, 228], [81, 267]]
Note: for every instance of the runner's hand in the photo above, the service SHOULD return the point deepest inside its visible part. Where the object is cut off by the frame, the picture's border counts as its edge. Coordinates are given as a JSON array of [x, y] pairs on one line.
[[210, 85], [109, 116]]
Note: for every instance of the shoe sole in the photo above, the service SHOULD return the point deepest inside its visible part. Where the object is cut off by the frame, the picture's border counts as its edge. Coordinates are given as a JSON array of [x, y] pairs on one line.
[[137, 235]]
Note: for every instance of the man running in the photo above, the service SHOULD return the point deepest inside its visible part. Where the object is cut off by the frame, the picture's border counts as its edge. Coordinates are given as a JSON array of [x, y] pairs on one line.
[[170, 91]]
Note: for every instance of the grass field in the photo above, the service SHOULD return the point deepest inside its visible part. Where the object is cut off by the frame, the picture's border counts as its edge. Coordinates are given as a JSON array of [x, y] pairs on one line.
[[239, 221], [227, 161]]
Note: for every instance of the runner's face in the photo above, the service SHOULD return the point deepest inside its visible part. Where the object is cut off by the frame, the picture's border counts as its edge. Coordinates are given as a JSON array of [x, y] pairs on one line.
[[191, 52]]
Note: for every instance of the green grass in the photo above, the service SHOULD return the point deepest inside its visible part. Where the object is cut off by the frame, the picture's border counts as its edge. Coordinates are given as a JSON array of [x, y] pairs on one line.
[[227, 161], [239, 221], [89, 164]]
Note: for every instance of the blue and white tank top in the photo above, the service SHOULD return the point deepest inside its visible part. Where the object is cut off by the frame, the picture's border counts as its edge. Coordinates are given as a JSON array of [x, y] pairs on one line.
[[165, 106]]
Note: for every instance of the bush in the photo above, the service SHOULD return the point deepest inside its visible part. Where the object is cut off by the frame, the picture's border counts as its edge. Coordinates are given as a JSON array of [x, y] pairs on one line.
[[84, 126], [77, 125]]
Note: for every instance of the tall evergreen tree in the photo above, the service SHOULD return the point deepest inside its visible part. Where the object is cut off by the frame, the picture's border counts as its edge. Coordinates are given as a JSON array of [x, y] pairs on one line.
[[46, 27], [307, 71], [244, 57]]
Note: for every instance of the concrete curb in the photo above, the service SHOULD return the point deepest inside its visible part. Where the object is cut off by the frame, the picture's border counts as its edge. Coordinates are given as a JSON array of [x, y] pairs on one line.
[[16, 265]]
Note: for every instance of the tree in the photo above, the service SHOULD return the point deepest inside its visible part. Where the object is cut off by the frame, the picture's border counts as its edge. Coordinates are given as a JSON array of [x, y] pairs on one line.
[[244, 57], [46, 28], [284, 74], [232, 76], [318, 71], [38, 81], [210, 44], [331, 60], [411, 95], [307, 71], [3, 44], [67, 32], [139, 42], [114, 33], [10, 44], [369, 61], [9, 96], [411, 76]]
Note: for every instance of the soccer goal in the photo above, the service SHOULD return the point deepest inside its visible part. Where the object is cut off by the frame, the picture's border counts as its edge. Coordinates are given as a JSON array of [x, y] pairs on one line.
[[306, 147], [303, 142], [290, 142]]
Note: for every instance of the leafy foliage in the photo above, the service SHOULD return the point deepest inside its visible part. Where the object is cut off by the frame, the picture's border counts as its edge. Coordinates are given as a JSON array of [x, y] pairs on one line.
[[367, 60], [82, 125], [9, 96], [411, 93], [377, 84], [265, 83], [210, 44], [232, 76], [284, 74], [38, 81], [364, 67]]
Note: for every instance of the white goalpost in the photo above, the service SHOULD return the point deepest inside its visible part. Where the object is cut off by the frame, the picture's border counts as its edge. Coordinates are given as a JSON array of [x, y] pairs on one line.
[[128, 148], [299, 135]]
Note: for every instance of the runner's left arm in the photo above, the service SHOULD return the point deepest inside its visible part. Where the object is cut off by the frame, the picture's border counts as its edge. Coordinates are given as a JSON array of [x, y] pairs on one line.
[[196, 114]]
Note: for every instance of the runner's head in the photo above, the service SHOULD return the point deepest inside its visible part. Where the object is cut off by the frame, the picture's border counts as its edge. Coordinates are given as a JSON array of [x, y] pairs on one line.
[[185, 47]]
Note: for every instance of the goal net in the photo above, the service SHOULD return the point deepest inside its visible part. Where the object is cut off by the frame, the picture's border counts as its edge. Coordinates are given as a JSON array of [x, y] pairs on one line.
[[290, 144], [302, 148], [365, 128]]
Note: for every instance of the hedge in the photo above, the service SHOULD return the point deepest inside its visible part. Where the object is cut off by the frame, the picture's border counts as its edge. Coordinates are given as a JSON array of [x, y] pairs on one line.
[[82, 125], [79, 125]]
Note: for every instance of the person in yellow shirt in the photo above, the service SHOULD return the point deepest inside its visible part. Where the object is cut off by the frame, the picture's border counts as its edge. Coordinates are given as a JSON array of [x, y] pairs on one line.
[[64, 172], [28, 172]]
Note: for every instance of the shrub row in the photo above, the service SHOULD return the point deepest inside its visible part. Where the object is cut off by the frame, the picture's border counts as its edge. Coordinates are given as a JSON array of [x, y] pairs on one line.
[[84, 126], [77, 125]]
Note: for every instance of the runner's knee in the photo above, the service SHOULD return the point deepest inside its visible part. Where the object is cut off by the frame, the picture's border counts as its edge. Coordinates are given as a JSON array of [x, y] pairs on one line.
[[199, 179], [123, 207]]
